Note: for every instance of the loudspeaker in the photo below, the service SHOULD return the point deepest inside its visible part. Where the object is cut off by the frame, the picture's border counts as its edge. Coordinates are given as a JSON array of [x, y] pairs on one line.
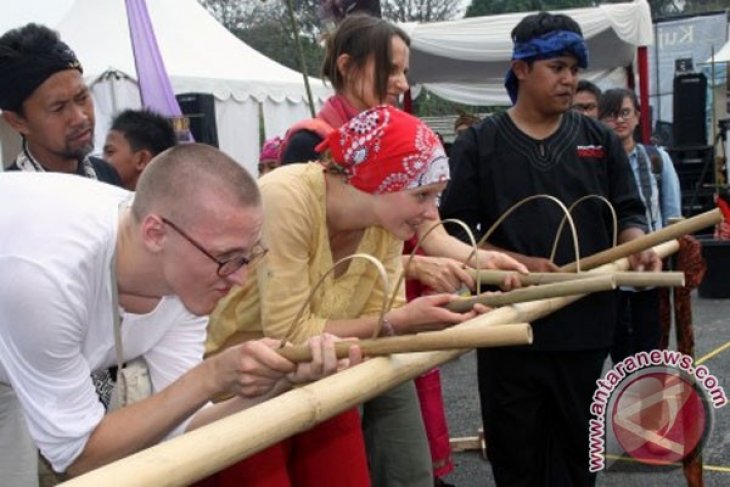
[[200, 110], [663, 133], [690, 99]]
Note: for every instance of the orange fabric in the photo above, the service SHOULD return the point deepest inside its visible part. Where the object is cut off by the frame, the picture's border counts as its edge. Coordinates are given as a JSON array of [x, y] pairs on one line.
[[334, 113]]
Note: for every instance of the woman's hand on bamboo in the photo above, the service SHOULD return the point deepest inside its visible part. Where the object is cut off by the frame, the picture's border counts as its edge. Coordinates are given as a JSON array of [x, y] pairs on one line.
[[441, 274], [492, 259], [427, 313]]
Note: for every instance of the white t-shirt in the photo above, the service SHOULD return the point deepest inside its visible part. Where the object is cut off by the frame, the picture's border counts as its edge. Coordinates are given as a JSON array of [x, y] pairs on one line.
[[57, 238]]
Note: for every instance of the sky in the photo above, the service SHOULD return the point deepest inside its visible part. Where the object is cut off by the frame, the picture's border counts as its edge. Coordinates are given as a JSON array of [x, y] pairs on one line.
[[19, 12]]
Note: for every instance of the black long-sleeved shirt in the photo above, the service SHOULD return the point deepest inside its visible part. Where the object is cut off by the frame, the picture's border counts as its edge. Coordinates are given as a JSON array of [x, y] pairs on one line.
[[495, 165]]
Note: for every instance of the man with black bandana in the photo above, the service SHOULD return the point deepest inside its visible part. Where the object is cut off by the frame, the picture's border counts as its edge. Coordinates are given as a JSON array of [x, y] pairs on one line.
[[536, 400], [44, 98]]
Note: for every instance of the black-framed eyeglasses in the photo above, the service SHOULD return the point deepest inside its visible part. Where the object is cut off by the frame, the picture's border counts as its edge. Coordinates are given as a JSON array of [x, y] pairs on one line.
[[622, 114], [225, 267]]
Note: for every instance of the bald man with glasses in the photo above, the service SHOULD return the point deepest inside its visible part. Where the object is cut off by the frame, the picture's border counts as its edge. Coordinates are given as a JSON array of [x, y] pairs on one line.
[[86, 247]]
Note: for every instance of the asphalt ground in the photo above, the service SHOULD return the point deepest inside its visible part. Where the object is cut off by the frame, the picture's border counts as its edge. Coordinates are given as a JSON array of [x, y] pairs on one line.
[[712, 347]]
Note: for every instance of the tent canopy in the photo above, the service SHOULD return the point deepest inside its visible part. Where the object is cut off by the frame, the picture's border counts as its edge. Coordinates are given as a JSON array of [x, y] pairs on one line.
[[466, 60], [200, 56], [721, 56]]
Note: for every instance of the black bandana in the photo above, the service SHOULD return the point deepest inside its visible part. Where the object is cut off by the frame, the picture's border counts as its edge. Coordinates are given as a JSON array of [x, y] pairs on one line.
[[21, 75]]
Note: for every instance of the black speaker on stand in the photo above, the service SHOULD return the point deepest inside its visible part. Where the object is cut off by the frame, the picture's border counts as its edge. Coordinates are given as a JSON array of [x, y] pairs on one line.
[[664, 133], [690, 100], [200, 110]]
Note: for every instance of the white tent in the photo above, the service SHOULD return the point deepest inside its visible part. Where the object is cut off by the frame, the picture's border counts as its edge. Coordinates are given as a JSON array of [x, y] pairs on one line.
[[466, 60], [201, 56], [721, 56]]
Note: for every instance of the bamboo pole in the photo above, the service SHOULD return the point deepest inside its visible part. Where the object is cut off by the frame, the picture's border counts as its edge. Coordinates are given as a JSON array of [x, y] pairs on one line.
[[683, 227], [209, 449], [591, 284], [450, 339], [300, 52], [636, 279]]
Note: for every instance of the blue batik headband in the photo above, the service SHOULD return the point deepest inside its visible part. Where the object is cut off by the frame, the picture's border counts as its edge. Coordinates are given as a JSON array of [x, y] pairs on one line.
[[553, 44]]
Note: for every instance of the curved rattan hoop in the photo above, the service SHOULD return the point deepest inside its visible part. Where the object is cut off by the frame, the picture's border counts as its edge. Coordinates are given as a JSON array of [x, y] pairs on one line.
[[418, 245], [570, 210], [534, 197], [383, 277]]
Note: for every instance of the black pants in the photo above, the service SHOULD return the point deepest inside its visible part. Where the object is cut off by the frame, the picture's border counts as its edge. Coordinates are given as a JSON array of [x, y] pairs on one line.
[[535, 409], [637, 324]]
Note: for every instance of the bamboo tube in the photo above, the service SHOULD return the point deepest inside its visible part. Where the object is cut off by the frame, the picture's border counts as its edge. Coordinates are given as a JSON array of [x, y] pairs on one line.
[[591, 284], [650, 279], [505, 335], [206, 450], [683, 227], [637, 279]]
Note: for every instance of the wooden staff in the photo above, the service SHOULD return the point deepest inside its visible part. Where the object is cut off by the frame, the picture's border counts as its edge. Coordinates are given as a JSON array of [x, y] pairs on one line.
[[671, 232], [591, 284], [504, 335], [209, 449], [636, 279]]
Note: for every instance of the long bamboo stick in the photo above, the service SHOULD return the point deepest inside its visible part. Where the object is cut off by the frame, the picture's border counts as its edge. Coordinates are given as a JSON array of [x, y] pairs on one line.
[[451, 339], [592, 284], [636, 279], [676, 230], [204, 451]]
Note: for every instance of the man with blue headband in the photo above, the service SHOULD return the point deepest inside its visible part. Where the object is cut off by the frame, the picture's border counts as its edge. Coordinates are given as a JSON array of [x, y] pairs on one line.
[[536, 400]]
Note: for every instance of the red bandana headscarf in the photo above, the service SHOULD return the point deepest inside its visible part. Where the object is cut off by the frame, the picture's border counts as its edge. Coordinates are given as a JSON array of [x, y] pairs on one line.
[[384, 150]]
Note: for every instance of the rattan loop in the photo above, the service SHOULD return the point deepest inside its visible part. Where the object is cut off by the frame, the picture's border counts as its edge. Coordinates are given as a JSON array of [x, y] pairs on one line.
[[383, 277]]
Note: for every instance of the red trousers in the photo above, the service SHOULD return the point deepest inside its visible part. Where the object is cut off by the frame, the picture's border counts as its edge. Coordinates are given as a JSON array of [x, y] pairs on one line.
[[331, 453], [432, 408]]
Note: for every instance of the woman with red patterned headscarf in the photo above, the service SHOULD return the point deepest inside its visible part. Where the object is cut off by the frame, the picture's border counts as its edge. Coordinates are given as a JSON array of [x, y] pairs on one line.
[[379, 180], [367, 62]]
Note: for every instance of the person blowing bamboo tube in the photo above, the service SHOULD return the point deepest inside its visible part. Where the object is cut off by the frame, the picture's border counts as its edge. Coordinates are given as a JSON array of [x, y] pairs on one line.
[[380, 179], [367, 62]]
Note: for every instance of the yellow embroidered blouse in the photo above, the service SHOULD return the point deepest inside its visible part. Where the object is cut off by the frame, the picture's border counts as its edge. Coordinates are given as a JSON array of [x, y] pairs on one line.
[[295, 231]]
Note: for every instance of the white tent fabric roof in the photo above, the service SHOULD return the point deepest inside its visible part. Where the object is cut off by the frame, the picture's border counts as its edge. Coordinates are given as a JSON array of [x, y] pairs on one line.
[[16, 13], [721, 56], [466, 60], [200, 54]]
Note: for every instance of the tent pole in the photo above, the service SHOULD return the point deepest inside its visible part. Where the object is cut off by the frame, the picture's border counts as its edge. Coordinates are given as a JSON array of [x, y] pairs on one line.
[[112, 91], [643, 62], [300, 51], [657, 91], [712, 99]]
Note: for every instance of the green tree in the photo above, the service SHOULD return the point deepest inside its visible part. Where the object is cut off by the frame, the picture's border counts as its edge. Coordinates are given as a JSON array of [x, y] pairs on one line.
[[419, 10], [479, 8], [265, 27]]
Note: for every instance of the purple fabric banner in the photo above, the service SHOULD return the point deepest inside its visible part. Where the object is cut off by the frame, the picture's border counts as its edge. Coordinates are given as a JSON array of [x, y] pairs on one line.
[[154, 84]]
